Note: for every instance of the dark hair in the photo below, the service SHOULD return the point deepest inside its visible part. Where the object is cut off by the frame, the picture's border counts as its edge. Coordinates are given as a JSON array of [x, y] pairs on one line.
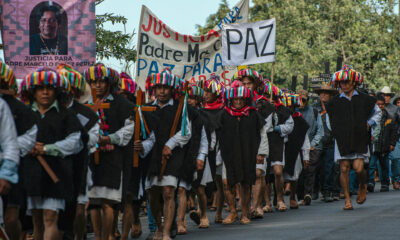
[[47, 8], [380, 98]]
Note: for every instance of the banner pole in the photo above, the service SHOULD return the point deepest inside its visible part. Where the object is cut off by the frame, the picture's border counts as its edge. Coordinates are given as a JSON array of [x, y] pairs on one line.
[[272, 81]]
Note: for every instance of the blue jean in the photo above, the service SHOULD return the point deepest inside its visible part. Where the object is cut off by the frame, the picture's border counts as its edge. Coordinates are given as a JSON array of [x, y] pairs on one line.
[[383, 168], [152, 221], [328, 163], [395, 164]]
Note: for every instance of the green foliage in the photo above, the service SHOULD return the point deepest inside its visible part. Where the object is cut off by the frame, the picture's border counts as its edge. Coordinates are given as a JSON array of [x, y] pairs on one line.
[[364, 33], [114, 44], [214, 19]]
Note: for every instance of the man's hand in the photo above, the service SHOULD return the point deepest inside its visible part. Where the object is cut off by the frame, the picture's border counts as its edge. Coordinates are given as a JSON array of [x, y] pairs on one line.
[[200, 165], [311, 148], [104, 140], [39, 148], [260, 159], [138, 146], [391, 148], [166, 152], [306, 163], [5, 187]]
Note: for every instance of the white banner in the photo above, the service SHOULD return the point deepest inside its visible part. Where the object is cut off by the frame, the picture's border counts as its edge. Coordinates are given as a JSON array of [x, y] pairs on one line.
[[248, 43], [193, 58]]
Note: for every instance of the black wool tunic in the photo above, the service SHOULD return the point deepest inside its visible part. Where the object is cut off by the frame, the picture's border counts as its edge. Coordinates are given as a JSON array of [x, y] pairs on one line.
[[166, 117], [348, 121], [239, 141], [54, 126], [108, 172], [211, 118], [295, 143], [24, 119], [275, 141], [88, 118], [192, 150]]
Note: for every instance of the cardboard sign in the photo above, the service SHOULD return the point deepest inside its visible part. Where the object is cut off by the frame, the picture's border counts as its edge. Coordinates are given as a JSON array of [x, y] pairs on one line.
[[249, 43], [193, 58], [39, 33]]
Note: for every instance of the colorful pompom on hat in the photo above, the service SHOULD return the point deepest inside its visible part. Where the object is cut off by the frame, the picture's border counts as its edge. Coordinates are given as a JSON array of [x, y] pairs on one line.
[[126, 83], [247, 72], [45, 77], [74, 77], [101, 71], [347, 74], [237, 90], [271, 89], [165, 77], [7, 74], [195, 90], [290, 100], [213, 84]]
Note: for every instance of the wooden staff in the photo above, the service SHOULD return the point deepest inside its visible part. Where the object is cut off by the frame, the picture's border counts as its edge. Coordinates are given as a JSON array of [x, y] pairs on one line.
[[48, 169], [97, 104], [139, 97]]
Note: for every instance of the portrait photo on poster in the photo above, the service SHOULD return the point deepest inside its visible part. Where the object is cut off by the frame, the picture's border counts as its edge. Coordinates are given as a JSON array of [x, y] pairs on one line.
[[48, 29]]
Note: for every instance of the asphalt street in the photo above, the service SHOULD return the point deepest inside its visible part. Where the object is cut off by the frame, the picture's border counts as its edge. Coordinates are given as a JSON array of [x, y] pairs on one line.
[[377, 218]]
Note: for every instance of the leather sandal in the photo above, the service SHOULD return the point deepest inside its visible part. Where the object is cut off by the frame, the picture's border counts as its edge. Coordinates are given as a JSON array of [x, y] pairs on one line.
[[281, 207], [231, 218]]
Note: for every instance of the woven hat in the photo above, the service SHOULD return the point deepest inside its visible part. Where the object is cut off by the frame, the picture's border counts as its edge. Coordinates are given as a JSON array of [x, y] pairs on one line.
[[347, 74], [290, 100], [74, 77], [213, 84], [247, 72], [195, 90], [326, 88], [237, 90], [45, 77], [166, 78], [7, 75], [271, 89], [126, 83], [101, 71]]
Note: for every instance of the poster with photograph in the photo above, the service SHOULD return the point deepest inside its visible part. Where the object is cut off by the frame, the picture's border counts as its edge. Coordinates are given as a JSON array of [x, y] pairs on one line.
[[39, 33]]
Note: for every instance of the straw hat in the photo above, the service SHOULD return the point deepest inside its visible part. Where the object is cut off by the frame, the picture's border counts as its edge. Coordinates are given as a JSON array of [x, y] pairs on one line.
[[326, 88], [386, 90]]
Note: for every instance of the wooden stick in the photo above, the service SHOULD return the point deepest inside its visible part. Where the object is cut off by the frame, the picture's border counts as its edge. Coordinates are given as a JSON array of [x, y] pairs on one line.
[[172, 133], [137, 128], [48, 169]]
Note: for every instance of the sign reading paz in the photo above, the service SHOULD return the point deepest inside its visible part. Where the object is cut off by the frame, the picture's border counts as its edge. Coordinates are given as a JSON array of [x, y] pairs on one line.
[[248, 43]]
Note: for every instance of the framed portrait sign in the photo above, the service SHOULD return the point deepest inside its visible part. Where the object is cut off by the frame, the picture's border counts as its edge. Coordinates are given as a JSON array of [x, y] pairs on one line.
[[38, 34]]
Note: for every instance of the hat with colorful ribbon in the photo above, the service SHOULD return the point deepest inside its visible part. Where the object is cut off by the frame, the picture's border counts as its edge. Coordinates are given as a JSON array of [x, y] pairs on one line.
[[195, 90], [271, 89], [290, 100], [347, 74], [45, 77], [74, 77], [126, 83], [166, 78], [7, 75], [247, 72], [213, 84], [101, 71], [237, 90]]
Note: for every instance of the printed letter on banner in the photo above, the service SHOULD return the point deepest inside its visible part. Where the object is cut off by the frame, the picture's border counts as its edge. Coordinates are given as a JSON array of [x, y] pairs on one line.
[[248, 43], [193, 58]]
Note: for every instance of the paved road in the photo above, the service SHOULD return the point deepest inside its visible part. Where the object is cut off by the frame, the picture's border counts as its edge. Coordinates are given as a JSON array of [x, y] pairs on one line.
[[377, 218]]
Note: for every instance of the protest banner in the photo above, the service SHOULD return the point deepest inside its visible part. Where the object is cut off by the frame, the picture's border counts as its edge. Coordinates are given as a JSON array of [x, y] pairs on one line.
[[193, 58], [248, 43], [39, 33]]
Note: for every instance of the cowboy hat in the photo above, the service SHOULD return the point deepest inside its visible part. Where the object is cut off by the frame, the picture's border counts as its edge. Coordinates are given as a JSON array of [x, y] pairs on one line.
[[326, 88], [386, 90]]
